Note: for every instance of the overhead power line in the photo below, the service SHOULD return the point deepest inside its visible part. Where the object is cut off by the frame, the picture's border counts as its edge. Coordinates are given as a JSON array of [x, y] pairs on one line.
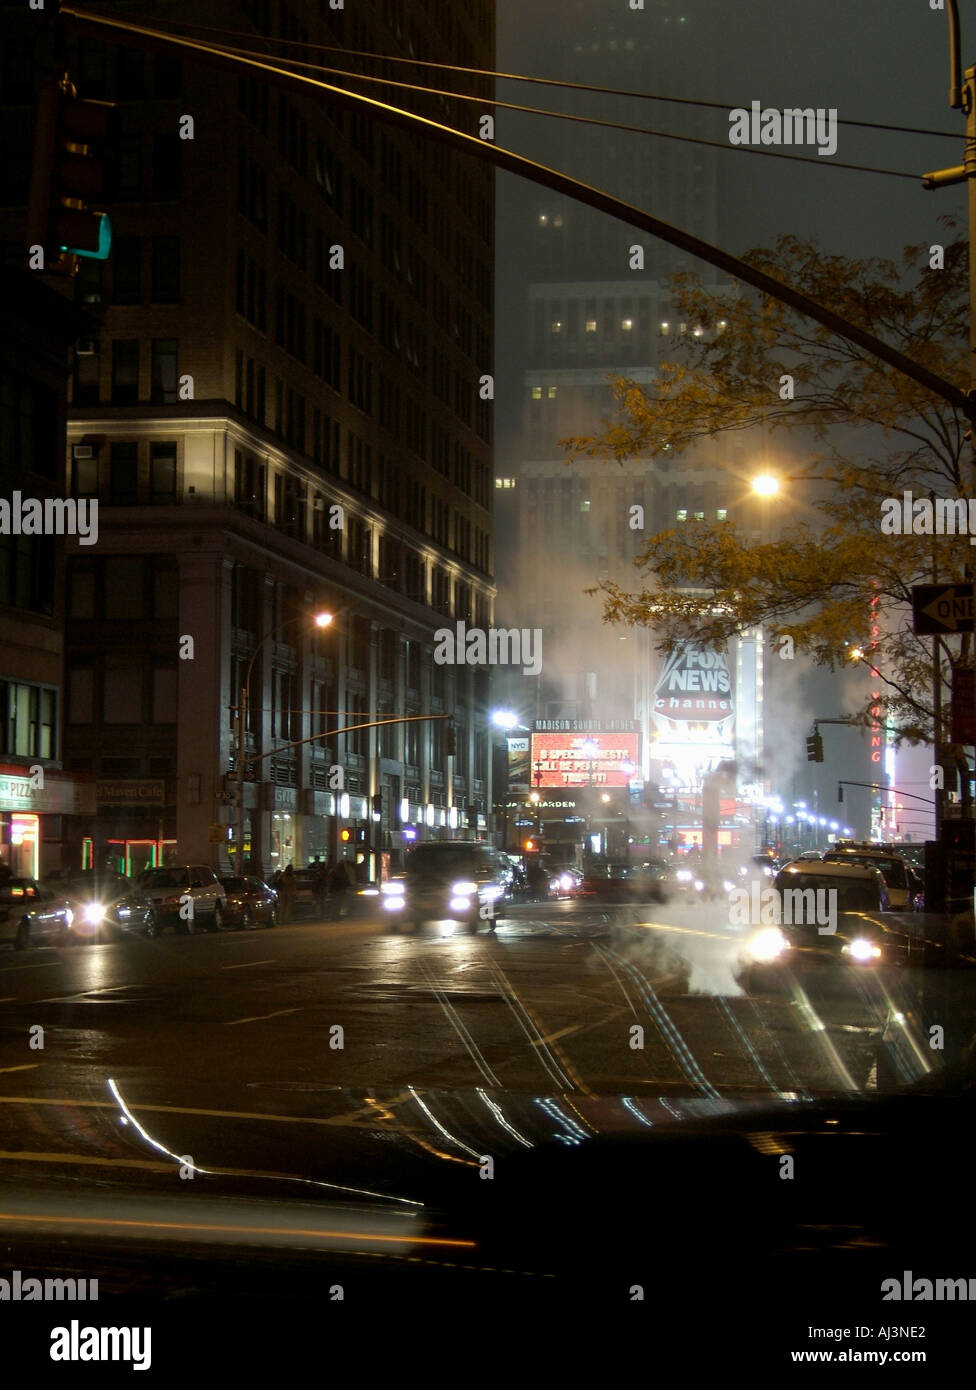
[[143, 37], [523, 77], [294, 65]]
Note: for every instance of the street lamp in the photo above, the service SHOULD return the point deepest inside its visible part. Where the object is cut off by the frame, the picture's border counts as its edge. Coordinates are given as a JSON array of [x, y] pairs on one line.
[[321, 620]]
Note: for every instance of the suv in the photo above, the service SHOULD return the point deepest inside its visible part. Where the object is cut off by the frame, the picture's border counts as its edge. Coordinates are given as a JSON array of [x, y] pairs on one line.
[[460, 880], [167, 887], [903, 884]]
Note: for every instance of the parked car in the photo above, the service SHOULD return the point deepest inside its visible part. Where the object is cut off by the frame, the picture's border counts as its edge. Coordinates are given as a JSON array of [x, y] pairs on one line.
[[105, 904], [460, 880], [249, 901], [170, 887], [32, 911]]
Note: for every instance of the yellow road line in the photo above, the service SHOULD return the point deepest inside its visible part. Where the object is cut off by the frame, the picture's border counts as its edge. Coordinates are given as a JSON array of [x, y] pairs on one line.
[[259, 1018]]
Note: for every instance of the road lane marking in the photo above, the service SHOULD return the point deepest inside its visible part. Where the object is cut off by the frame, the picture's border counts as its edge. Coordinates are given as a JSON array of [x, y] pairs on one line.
[[440, 1242], [24, 1066], [259, 1018], [576, 1028], [40, 965], [247, 965]]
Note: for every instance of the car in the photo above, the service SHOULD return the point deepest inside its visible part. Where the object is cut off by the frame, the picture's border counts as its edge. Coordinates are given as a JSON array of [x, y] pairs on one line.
[[828, 916], [897, 874], [459, 880], [177, 886], [32, 911], [627, 883], [105, 904], [249, 901], [565, 880]]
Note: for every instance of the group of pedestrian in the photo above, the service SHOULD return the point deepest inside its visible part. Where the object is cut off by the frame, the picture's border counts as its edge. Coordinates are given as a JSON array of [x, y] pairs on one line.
[[329, 885]]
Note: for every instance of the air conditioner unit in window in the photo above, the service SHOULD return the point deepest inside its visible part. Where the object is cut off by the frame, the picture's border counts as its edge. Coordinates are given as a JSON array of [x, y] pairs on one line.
[[83, 451], [85, 347]]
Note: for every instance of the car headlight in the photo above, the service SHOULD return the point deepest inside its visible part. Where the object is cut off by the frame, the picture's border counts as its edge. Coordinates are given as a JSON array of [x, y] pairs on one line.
[[565, 881], [767, 945], [92, 913], [459, 904], [727, 886], [464, 886], [684, 875], [491, 892], [393, 887], [863, 950], [699, 885]]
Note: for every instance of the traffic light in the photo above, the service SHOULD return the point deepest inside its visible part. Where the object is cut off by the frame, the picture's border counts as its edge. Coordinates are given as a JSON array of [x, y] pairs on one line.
[[345, 835], [529, 846], [449, 741], [361, 833], [72, 138], [815, 748], [840, 791], [378, 806]]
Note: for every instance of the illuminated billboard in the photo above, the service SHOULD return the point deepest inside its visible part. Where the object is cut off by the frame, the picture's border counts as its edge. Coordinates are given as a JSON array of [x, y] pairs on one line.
[[694, 709], [585, 758]]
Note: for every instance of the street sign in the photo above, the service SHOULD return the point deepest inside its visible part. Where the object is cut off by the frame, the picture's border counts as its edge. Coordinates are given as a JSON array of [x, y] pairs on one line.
[[963, 705], [938, 608]]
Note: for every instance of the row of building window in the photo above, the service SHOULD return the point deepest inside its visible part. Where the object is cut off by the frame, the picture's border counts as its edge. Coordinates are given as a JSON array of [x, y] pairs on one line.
[[126, 386], [128, 266]]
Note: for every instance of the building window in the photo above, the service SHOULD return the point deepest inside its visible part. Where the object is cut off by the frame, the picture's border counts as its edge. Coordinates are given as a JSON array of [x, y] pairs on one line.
[[537, 393], [81, 694], [165, 269], [591, 325], [162, 474], [125, 371], [85, 385], [124, 587], [699, 516], [122, 690], [28, 724], [124, 475], [164, 371], [27, 573], [551, 393], [166, 168], [682, 514], [721, 514], [126, 270]]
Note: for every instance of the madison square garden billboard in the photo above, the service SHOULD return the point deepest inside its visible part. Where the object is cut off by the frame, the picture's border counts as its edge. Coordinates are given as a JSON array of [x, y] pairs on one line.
[[585, 752]]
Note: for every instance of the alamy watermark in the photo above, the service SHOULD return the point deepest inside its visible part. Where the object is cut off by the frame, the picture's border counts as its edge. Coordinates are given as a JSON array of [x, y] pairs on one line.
[[792, 126], [494, 646], [770, 907], [20, 1288], [50, 516], [909, 515]]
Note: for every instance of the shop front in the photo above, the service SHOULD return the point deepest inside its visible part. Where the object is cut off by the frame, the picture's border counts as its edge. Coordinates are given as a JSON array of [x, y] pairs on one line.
[[42, 814]]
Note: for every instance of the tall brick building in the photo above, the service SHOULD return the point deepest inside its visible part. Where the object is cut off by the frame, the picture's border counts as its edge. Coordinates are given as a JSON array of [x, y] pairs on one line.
[[279, 414]]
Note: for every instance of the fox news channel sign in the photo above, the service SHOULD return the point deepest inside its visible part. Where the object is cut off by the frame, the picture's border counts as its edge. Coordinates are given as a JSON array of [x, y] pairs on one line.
[[694, 709], [585, 752]]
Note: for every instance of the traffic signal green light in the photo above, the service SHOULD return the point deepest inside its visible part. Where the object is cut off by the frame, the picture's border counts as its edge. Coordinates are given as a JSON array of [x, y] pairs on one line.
[[72, 140]]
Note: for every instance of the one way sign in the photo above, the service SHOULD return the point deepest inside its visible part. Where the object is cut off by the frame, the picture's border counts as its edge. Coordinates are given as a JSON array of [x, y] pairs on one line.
[[938, 608]]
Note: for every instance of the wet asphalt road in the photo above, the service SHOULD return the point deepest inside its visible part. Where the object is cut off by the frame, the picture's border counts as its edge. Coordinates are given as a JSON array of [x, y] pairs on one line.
[[563, 998]]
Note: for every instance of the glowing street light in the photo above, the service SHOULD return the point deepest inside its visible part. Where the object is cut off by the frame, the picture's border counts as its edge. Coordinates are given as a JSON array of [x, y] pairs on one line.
[[765, 485]]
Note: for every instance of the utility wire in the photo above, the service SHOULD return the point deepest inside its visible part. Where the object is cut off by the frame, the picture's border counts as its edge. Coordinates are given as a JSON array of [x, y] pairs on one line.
[[293, 65], [541, 81]]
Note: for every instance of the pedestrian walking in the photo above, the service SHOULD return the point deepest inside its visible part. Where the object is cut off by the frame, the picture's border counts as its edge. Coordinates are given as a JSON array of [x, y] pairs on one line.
[[339, 886], [287, 892], [321, 887]]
